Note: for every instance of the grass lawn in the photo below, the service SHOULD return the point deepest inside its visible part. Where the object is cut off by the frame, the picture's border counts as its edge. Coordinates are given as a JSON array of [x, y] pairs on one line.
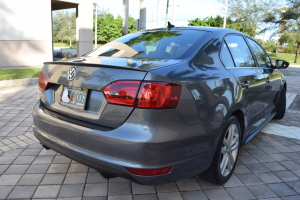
[[9, 74], [284, 56], [64, 45]]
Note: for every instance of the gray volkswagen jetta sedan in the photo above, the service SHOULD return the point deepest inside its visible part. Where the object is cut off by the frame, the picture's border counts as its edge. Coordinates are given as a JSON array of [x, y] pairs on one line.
[[160, 105]]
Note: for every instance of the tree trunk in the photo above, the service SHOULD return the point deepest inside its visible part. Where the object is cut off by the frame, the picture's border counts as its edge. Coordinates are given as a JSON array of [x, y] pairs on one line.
[[70, 43], [297, 52]]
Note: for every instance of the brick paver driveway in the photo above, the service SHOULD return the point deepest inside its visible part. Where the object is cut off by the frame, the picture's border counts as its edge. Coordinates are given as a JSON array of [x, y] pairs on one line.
[[268, 166]]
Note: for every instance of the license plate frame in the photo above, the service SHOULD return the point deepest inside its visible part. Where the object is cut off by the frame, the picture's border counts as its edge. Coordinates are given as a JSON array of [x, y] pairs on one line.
[[77, 98]]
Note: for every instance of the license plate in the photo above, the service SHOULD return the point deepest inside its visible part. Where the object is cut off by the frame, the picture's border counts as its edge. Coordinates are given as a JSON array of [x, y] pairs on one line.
[[74, 97]]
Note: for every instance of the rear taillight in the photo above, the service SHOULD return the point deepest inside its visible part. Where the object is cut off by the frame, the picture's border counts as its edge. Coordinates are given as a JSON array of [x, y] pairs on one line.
[[158, 95], [149, 172], [43, 81], [122, 92], [143, 94]]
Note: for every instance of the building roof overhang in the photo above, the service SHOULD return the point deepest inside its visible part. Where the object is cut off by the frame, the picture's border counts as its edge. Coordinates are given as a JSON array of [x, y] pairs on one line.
[[64, 4]]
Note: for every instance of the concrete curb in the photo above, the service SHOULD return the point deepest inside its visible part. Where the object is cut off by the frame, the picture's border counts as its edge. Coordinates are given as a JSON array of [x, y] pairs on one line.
[[297, 66], [18, 82]]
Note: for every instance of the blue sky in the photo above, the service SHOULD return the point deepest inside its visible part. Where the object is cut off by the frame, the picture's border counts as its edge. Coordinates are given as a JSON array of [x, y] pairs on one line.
[[185, 10]]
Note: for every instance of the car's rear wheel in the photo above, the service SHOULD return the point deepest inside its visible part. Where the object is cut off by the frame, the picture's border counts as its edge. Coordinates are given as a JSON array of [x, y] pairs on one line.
[[226, 154], [281, 105]]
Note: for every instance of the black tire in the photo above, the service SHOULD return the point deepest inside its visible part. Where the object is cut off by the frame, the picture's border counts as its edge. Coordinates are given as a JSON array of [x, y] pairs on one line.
[[216, 173], [280, 110]]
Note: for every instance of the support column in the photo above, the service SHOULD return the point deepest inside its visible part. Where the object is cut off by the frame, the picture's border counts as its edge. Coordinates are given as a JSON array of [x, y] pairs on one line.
[[142, 24], [84, 27], [167, 9], [125, 17]]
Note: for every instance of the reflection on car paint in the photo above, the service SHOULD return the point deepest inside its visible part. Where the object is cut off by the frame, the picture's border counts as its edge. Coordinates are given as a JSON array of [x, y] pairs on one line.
[[196, 94], [222, 109]]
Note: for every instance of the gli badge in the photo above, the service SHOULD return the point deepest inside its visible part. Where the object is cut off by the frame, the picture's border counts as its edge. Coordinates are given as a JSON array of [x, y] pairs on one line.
[[71, 73]]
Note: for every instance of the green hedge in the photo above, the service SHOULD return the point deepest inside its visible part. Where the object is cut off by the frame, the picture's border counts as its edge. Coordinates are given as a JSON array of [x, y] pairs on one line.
[[271, 49], [286, 49], [280, 49]]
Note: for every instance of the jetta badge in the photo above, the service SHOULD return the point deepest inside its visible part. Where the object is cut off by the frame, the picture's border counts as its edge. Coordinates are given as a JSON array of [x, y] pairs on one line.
[[71, 73]]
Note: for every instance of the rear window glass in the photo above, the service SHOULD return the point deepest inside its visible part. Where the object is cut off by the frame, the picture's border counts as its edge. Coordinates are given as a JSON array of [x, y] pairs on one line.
[[162, 44]]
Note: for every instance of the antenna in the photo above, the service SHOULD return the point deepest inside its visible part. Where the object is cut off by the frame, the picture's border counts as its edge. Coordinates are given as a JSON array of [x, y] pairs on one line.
[[170, 26]]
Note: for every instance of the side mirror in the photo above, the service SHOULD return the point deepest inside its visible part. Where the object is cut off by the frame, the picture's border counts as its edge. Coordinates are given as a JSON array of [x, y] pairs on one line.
[[281, 64]]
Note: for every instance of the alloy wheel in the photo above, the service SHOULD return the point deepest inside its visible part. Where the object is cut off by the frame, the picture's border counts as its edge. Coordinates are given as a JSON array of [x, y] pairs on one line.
[[229, 150]]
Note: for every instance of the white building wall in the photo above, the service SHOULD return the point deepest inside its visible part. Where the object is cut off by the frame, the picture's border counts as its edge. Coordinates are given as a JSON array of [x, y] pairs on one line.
[[84, 27], [25, 32]]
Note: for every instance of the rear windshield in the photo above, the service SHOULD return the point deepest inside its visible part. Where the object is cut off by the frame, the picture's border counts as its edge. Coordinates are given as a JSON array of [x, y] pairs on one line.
[[162, 44]]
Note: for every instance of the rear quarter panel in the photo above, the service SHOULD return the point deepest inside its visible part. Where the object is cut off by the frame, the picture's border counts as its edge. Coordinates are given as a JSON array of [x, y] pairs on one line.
[[210, 94]]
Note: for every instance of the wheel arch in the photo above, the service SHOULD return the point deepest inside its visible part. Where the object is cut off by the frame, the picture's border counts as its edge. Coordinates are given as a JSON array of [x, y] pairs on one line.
[[213, 172], [240, 116]]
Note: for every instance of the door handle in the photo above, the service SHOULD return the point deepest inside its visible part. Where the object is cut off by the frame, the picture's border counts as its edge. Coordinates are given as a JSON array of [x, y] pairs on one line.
[[245, 85]]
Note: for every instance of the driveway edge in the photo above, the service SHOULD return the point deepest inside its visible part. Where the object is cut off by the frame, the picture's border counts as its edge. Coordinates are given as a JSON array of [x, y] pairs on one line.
[[18, 82]]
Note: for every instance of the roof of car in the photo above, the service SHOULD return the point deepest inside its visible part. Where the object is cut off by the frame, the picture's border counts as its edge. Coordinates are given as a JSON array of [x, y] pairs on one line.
[[202, 28]]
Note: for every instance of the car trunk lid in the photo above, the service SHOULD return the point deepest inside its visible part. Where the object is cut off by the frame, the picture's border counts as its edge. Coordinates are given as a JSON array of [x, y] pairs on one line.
[[93, 74]]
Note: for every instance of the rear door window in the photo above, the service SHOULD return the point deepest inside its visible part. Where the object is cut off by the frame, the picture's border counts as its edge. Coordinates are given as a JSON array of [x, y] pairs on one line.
[[240, 51], [262, 58]]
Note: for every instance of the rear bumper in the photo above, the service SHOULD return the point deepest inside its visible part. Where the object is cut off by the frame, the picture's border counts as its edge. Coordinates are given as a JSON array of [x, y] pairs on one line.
[[111, 151]]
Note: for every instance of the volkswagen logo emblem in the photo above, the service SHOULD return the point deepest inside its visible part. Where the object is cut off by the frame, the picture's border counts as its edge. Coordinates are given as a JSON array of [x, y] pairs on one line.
[[71, 73]]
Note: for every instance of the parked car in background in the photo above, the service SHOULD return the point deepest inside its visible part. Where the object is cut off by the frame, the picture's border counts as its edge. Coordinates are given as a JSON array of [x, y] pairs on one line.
[[160, 105]]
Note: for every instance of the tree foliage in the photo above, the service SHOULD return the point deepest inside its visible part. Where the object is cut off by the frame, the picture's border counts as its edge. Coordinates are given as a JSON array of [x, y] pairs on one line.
[[107, 28], [237, 24], [64, 25], [287, 21], [247, 15], [243, 26], [110, 28], [152, 37], [131, 25], [208, 21]]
